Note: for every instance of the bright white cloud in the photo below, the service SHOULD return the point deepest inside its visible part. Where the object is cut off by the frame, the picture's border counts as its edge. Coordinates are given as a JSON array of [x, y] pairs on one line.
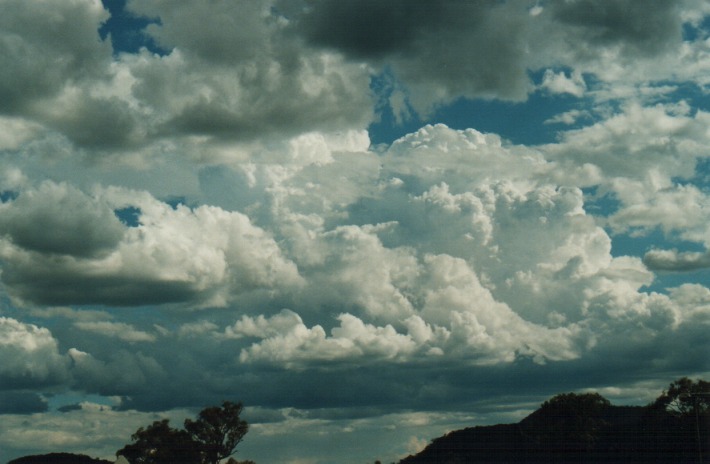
[[559, 83], [30, 356]]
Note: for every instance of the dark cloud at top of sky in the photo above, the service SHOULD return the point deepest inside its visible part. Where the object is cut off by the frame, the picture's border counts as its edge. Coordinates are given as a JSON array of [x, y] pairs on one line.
[[635, 25], [374, 29], [444, 49], [41, 50]]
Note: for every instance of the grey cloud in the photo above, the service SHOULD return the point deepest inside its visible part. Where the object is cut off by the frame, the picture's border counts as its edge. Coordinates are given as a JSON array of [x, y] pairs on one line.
[[42, 46], [632, 24], [98, 123], [230, 32], [57, 218], [374, 29], [121, 373], [21, 402], [675, 261], [440, 50], [241, 77], [69, 408], [63, 282], [445, 49]]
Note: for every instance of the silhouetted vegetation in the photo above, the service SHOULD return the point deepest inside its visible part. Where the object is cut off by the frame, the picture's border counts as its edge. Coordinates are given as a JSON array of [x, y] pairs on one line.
[[58, 458], [586, 428], [213, 436], [567, 428]]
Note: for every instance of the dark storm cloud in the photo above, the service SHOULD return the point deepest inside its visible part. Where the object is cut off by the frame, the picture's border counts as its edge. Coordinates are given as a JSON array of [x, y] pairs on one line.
[[448, 48], [374, 29], [636, 25], [441, 50], [53, 287]]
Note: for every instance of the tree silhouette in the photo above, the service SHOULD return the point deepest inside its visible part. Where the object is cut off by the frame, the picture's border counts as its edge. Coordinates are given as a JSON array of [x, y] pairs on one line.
[[218, 431], [685, 397], [213, 436], [161, 444]]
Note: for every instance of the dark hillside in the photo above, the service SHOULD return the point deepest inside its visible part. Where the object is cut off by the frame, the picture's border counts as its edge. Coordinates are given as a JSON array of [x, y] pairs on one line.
[[58, 458], [577, 429]]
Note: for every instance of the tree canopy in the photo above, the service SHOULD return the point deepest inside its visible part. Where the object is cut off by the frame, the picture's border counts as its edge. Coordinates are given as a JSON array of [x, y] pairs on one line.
[[218, 430], [685, 397], [213, 436]]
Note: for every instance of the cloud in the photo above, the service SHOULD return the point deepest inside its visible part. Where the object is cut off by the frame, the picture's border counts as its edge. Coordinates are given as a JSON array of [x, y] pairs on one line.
[[31, 356], [21, 402], [96, 122], [628, 24], [36, 65], [60, 76], [636, 140], [673, 260], [682, 207], [430, 47], [123, 373], [59, 219], [561, 84], [167, 258], [286, 340], [117, 330], [91, 429], [272, 255], [568, 117], [244, 79], [448, 49]]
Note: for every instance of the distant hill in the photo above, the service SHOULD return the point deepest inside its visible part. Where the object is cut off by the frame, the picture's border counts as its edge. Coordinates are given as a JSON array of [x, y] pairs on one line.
[[58, 458], [577, 429]]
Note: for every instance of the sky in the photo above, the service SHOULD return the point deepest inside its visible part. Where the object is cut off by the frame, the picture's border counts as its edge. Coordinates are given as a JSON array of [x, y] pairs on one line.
[[370, 221]]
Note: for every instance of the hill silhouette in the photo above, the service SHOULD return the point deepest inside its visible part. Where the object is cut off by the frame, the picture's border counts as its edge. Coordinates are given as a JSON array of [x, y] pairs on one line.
[[58, 458], [572, 428]]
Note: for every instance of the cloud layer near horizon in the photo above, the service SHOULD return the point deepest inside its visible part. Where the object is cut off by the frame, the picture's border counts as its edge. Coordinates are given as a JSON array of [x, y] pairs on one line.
[[212, 220]]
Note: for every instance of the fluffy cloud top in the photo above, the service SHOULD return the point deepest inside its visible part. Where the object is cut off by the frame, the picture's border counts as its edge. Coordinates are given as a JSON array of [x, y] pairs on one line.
[[30, 356], [167, 258]]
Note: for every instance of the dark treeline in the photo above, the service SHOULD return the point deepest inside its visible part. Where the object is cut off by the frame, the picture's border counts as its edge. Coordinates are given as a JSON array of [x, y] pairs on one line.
[[568, 428], [586, 428]]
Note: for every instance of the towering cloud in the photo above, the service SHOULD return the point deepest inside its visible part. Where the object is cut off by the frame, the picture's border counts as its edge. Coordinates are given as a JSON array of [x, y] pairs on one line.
[[263, 204]]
